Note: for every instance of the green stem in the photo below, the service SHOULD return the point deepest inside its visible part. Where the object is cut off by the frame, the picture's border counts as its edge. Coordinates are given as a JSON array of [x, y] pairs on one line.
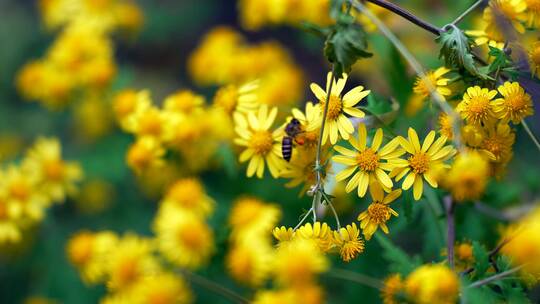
[[495, 277], [531, 134], [355, 277], [216, 288], [465, 13], [323, 123]]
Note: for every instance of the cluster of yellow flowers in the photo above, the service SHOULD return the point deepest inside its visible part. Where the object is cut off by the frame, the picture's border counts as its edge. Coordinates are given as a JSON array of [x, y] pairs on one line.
[[138, 269], [233, 61], [434, 284], [29, 188]]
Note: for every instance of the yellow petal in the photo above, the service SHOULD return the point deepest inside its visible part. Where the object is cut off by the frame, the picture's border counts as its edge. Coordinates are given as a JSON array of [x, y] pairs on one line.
[[428, 141], [409, 180], [413, 138], [345, 173], [318, 91], [377, 140], [383, 178], [418, 187], [392, 196], [345, 151], [363, 183]]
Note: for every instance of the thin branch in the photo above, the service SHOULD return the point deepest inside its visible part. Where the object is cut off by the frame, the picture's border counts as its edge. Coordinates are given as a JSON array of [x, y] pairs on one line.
[[356, 277], [465, 13], [321, 133], [531, 134], [335, 215], [407, 15], [303, 219], [495, 277], [450, 229], [213, 286]]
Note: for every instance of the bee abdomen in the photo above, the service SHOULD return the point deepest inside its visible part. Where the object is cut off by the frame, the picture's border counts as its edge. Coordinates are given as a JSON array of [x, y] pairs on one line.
[[286, 148]]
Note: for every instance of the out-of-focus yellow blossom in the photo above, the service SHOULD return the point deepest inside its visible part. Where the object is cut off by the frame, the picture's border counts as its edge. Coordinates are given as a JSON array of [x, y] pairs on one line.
[[534, 58], [283, 234], [308, 294], [467, 178], [88, 252], [337, 123], [498, 140], [300, 169], [446, 125], [162, 288], [422, 161], [93, 118], [10, 232], [249, 262], [183, 238], [368, 161], [464, 257], [262, 145], [23, 198], [433, 80], [393, 286], [499, 12], [378, 212], [188, 194], [477, 106], [414, 104], [349, 242], [297, 262], [58, 177], [231, 98], [128, 102], [523, 245], [515, 104], [94, 196], [433, 284], [129, 261], [481, 37], [184, 102], [144, 154], [152, 123], [319, 232], [251, 216]]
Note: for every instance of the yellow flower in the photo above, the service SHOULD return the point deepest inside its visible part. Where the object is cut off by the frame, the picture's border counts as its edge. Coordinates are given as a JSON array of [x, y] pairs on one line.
[[297, 262], [283, 234], [367, 162], [349, 242], [144, 154], [301, 168], [184, 102], [262, 145], [432, 284], [433, 80], [337, 123], [422, 162], [183, 238], [515, 104], [393, 285], [446, 126], [128, 102], [511, 10], [481, 37], [162, 288], [151, 122], [532, 12], [249, 262], [468, 176], [477, 106], [311, 125], [231, 98], [21, 193], [57, 177], [498, 140], [321, 234], [10, 232], [188, 194], [378, 212], [534, 58], [128, 262], [252, 217]]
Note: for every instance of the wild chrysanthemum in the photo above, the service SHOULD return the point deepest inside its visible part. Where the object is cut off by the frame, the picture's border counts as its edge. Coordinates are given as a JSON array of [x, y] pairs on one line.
[[515, 104], [249, 262], [320, 233], [9, 230], [393, 285], [468, 176], [57, 176], [499, 140], [144, 154], [23, 198], [349, 242], [183, 238], [128, 102], [262, 145], [311, 121], [151, 123], [378, 212], [297, 262], [532, 12], [337, 123], [422, 161], [370, 163], [188, 194], [534, 58], [283, 234], [500, 12], [477, 106], [433, 80], [300, 169], [446, 127], [432, 284], [231, 98], [161, 288], [184, 102], [250, 216]]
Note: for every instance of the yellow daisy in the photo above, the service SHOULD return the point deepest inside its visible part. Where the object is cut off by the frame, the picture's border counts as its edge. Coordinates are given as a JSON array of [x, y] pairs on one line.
[[262, 145], [249, 262], [393, 285], [337, 123], [433, 80], [534, 58], [467, 179], [9, 230], [300, 169], [188, 194], [144, 154], [320, 233], [422, 162], [498, 140], [378, 212], [511, 10], [477, 106], [162, 288], [349, 242], [23, 198], [231, 98], [283, 234], [311, 121], [367, 162], [515, 104]]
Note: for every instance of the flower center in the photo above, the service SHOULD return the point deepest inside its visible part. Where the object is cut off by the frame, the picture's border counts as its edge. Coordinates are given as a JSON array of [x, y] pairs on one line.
[[334, 107], [494, 145], [261, 142], [533, 5], [193, 238], [187, 193], [351, 249], [423, 85], [516, 102], [478, 105], [151, 124], [379, 212], [226, 99], [3, 210], [127, 271], [367, 160], [311, 138], [419, 163], [20, 190], [54, 169], [535, 55]]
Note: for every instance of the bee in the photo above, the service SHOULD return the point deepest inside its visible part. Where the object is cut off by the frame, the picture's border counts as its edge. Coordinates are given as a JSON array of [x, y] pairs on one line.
[[292, 129]]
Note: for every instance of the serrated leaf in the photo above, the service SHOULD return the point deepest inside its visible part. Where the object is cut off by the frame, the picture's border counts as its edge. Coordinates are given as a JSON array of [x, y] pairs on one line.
[[399, 260], [345, 46], [456, 51], [316, 29], [481, 259]]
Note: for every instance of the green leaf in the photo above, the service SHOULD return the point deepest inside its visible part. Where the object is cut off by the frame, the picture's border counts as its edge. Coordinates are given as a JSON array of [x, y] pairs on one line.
[[345, 46], [315, 29], [399, 260], [456, 51], [481, 259]]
